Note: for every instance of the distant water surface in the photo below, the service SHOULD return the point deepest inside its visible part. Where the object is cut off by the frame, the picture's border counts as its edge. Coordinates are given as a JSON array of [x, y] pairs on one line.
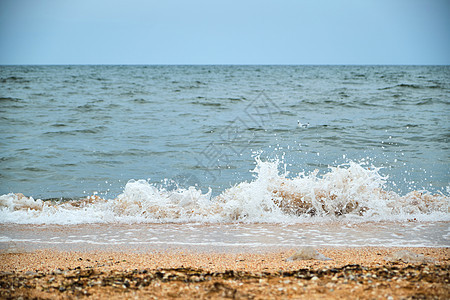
[[70, 131]]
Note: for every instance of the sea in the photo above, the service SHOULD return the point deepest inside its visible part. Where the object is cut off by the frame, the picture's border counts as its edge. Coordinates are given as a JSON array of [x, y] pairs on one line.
[[229, 157]]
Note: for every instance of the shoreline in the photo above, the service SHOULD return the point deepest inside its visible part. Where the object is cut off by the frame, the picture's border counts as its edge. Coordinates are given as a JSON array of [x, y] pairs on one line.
[[222, 238], [353, 272]]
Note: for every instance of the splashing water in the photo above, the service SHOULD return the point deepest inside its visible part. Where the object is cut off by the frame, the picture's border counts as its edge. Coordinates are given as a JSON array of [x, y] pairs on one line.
[[352, 192]]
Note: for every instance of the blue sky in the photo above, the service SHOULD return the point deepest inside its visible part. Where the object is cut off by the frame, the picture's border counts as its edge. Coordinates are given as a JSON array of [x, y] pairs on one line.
[[224, 32]]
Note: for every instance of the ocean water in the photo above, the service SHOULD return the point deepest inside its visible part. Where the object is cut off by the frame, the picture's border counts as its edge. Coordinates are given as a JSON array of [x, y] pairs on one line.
[[226, 145]]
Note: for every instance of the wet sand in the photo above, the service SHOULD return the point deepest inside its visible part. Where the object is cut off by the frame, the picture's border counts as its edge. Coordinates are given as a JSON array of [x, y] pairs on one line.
[[353, 272]]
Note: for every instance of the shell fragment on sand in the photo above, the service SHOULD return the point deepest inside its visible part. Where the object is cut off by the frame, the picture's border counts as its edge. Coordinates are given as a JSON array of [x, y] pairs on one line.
[[307, 253]]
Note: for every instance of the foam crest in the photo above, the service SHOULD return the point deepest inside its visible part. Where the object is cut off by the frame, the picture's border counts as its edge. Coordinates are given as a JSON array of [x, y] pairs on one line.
[[253, 200], [14, 202], [140, 198], [352, 192]]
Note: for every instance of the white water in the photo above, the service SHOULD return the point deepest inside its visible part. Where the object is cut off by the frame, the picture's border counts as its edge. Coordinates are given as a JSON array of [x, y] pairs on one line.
[[354, 192]]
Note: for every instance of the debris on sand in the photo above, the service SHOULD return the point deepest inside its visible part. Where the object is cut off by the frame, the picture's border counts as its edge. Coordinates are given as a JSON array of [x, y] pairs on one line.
[[307, 253], [408, 257]]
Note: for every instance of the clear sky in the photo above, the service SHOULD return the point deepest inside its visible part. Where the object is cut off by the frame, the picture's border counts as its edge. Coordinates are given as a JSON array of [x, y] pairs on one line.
[[225, 32]]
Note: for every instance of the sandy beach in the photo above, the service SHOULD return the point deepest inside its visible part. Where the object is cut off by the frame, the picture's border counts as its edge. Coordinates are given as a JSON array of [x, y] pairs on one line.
[[363, 273]]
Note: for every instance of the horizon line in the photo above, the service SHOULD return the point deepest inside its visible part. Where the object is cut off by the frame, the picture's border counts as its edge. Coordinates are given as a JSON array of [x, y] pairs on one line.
[[207, 64]]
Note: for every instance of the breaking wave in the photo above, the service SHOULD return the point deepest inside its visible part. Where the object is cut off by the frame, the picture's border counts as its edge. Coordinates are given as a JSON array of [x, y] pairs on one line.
[[353, 192]]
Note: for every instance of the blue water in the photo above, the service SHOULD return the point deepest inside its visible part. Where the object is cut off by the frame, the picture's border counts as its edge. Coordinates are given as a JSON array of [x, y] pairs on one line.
[[70, 131]]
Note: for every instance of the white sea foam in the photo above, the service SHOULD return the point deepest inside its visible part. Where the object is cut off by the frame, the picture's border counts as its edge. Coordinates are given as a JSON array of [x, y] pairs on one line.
[[352, 192]]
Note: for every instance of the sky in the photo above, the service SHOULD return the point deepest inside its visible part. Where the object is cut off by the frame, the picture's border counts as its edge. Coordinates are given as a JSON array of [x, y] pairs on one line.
[[225, 32]]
